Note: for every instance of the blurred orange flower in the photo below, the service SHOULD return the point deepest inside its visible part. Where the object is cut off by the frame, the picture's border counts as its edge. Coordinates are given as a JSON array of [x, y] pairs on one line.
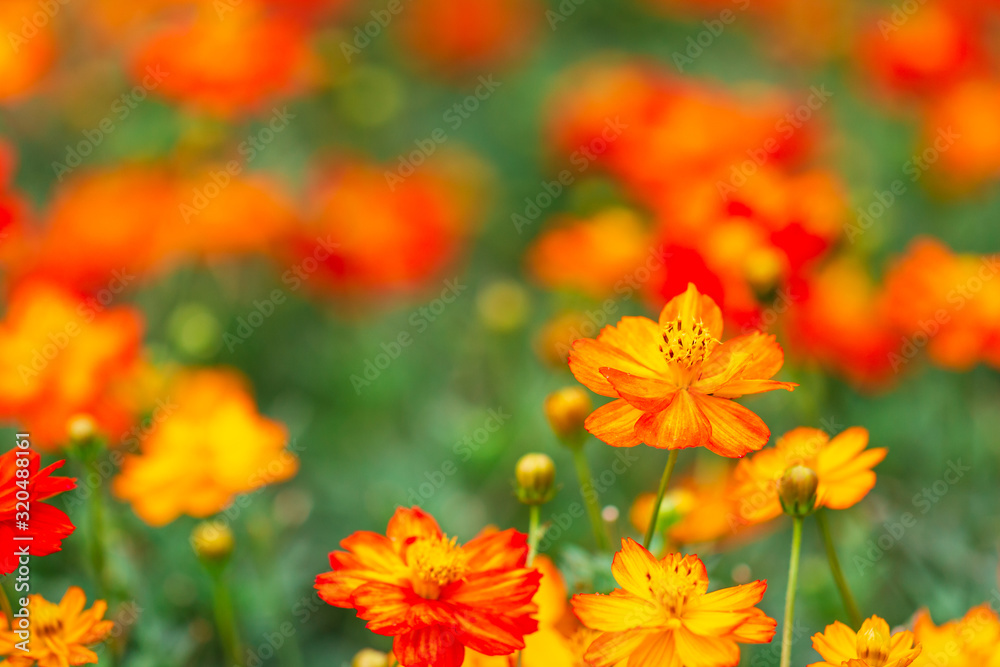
[[210, 446], [664, 614], [946, 303], [481, 33], [28, 49], [673, 382], [959, 136], [836, 316], [842, 464], [434, 596], [596, 256], [873, 645], [59, 634], [62, 354], [700, 508], [47, 525], [137, 208], [266, 56], [411, 231], [970, 641], [920, 51]]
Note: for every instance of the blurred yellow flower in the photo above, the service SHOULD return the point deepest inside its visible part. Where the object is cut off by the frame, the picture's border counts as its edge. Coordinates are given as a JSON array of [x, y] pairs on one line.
[[211, 447], [58, 634]]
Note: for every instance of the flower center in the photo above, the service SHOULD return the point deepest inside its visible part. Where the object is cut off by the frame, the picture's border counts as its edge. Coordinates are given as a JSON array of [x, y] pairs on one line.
[[686, 343], [673, 592], [435, 562], [46, 619], [873, 645]]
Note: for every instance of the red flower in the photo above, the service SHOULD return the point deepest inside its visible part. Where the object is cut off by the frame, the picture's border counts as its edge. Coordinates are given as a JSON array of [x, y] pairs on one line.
[[434, 596], [44, 524]]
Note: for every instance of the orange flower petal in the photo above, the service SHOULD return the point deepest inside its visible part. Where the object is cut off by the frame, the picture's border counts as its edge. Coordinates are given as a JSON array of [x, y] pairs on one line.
[[587, 358], [428, 646], [658, 649], [613, 647], [692, 306], [836, 644], [614, 613], [735, 597], [495, 550], [758, 629], [736, 431], [698, 651], [634, 567], [680, 425], [412, 522], [645, 393], [614, 423]]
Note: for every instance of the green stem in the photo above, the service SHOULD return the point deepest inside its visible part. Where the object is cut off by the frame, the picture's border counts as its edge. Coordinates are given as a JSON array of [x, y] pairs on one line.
[[534, 512], [838, 574], [225, 615], [98, 555], [793, 576], [590, 498], [8, 611], [668, 471]]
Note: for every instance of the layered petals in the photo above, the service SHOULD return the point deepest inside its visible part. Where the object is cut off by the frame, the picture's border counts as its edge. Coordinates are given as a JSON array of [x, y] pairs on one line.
[[673, 381], [663, 614], [434, 596]]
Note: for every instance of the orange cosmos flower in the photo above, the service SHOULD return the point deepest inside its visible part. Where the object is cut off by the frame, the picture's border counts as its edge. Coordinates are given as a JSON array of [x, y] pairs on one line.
[[46, 525], [465, 39], [138, 210], [597, 256], [924, 52], [842, 464], [946, 302], [59, 634], [673, 382], [29, 49], [970, 641], [560, 640], [873, 645], [413, 228], [211, 446], [434, 596], [837, 317], [60, 355], [266, 56], [700, 508], [664, 614], [961, 136]]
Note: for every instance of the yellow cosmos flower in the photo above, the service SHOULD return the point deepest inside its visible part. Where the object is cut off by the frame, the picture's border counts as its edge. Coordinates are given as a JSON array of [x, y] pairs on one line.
[[873, 645]]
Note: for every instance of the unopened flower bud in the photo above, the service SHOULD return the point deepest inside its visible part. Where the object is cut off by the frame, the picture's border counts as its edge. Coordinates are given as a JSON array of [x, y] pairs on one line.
[[536, 476], [81, 428], [212, 541], [566, 410], [797, 491], [369, 657]]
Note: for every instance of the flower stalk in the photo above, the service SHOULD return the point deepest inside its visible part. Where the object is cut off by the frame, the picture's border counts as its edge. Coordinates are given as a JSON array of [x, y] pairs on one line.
[[590, 498], [668, 471], [793, 576], [838, 574]]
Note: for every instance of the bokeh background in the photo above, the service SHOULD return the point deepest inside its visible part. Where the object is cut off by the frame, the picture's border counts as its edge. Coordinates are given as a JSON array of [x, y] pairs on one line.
[[394, 217]]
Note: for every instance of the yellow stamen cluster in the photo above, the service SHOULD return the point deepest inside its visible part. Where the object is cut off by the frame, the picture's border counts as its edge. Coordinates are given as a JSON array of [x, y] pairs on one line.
[[874, 643], [686, 343], [435, 562], [674, 588]]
